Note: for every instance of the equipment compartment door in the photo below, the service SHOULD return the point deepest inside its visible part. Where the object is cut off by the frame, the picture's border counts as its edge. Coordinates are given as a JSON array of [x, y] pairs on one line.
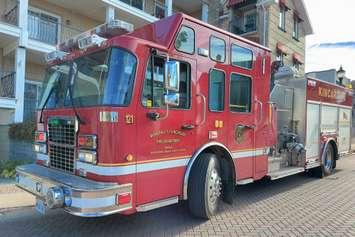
[[313, 133], [344, 130]]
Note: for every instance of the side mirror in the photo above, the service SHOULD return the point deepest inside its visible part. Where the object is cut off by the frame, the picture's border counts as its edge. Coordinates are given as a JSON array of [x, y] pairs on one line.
[[172, 99], [172, 76]]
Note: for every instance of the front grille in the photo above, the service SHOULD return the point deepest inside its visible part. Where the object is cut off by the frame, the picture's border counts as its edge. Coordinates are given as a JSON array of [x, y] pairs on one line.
[[61, 143], [62, 157]]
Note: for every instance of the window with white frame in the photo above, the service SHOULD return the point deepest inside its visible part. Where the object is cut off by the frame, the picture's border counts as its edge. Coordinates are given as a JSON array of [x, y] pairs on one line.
[[159, 10], [296, 28], [282, 18], [135, 3], [43, 26], [250, 19], [280, 57], [296, 65], [31, 99]]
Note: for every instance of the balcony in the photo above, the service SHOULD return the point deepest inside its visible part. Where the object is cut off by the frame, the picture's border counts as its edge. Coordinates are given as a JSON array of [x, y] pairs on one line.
[[245, 25], [42, 27], [48, 30]]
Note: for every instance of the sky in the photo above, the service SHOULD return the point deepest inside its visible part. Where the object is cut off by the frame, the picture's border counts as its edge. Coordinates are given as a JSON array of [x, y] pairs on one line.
[[333, 41]]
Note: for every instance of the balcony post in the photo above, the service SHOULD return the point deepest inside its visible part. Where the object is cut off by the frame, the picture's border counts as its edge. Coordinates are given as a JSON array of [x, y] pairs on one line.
[[169, 7], [20, 60], [20, 63], [110, 13], [23, 22], [204, 16]]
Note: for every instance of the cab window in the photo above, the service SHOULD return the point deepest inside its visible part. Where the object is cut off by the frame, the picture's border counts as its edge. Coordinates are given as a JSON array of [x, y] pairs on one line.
[[185, 41], [153, 91], [216, 90], [242, 57], [217, 49], [240, 93]]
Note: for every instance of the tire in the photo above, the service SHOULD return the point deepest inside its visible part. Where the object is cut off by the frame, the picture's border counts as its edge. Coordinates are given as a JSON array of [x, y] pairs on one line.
[[328, 163], [205, 186]]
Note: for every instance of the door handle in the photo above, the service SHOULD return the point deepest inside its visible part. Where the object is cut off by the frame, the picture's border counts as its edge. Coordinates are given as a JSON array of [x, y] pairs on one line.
[[188, 126], [260, 115], [204, 100], [252, 126]]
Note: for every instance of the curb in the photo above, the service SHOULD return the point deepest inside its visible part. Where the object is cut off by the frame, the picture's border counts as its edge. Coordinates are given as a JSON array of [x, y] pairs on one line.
[[14, 197]]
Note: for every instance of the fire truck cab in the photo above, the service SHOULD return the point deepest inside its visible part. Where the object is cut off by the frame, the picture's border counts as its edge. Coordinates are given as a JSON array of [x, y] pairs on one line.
[[176, 110]]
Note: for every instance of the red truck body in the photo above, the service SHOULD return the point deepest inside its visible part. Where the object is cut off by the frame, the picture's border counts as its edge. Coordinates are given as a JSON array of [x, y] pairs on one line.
[[155, 158]]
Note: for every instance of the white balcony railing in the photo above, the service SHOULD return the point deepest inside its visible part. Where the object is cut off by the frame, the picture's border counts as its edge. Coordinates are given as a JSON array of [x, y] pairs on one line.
[[7, 84], [42, 27]]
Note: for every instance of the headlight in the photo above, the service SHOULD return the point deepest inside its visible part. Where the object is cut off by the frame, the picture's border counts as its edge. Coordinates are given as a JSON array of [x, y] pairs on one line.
[[40, 148], [87, 156]]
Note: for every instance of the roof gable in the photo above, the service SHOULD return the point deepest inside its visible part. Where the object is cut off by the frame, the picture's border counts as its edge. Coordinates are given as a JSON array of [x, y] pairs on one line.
[[301, 9]]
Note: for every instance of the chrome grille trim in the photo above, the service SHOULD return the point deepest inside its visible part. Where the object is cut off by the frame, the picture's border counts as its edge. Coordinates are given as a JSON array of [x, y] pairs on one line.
[[62, 143]]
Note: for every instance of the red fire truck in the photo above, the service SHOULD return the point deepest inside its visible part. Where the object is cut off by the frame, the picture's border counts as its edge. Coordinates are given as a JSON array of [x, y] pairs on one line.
[[176, 110]]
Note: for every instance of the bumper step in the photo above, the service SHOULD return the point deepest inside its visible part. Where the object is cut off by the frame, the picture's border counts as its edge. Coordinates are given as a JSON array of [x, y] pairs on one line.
[[80, 196]]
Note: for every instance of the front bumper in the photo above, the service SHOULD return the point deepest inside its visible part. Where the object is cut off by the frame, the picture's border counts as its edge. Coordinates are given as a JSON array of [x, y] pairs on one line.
[[81, 197]]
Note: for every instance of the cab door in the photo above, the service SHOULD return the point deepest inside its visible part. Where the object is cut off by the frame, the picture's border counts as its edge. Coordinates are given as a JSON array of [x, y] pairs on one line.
[[165, 138], [241, 137]]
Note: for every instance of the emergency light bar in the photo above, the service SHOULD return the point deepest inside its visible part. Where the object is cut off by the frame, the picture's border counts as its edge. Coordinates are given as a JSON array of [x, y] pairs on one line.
[[96, 36], [57, 54], [91, 40]]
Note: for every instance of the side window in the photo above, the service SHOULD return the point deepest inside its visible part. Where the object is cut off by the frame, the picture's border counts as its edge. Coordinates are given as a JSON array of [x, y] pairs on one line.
[[242, 57], [153, 91], [185, 41], [282, 18], [240, 93], [216, 90], [217, 49]]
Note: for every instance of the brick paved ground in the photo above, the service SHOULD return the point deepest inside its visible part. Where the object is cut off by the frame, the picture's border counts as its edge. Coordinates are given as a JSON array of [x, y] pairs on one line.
[[294, 206]]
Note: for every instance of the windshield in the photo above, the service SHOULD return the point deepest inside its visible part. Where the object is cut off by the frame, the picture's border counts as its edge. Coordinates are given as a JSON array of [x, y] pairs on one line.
[[55, 86], [101, 78]]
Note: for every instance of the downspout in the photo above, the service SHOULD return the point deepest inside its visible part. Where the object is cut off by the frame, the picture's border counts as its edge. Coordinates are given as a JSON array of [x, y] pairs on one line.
[[264, 11], [264, 27]]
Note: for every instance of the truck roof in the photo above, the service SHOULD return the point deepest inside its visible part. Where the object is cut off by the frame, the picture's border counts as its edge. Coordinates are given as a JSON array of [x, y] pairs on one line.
[[163, 31]]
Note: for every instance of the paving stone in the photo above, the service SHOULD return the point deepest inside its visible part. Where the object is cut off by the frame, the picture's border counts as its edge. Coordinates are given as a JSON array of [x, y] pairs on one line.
[[294, 206]]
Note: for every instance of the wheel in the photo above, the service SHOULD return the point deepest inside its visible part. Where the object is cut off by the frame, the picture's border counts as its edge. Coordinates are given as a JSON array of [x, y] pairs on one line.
[[327, 166], [328, 162], [205, 186]]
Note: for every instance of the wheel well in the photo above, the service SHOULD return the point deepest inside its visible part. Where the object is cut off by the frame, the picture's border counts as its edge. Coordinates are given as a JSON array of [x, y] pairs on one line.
[[226, 161], [335, 150]]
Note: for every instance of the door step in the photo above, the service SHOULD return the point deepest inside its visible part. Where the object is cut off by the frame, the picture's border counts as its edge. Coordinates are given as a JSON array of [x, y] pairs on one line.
[[284, 172], [245, 181], [157, 204]]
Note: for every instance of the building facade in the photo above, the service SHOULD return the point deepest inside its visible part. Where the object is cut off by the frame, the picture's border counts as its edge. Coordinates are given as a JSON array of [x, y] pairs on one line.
[[280, 25], [29, 29]]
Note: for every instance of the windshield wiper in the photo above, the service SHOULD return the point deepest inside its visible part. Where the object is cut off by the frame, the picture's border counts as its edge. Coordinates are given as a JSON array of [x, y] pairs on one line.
[[72, 75]]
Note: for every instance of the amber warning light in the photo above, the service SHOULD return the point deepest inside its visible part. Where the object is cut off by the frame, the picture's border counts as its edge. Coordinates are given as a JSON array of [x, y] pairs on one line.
[[40, 137], [87, 141]]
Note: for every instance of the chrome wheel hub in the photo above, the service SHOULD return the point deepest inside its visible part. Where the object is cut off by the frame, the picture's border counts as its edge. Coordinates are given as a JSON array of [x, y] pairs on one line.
[[214, 187]]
